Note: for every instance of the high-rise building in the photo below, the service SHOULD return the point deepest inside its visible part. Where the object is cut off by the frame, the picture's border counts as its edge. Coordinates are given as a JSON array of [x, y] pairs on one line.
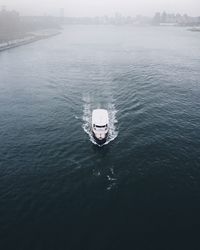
[[62, 15]]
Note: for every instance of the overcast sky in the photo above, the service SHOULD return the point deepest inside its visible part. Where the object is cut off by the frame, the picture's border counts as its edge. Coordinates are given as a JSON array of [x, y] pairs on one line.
[[102, 7]]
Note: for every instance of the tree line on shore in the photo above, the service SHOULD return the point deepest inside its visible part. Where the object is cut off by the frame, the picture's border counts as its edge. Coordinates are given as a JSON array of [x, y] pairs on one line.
[[13, 26]]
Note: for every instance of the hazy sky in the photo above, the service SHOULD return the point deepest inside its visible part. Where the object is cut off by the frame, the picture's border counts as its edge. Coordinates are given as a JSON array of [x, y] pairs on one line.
[[102, 7]]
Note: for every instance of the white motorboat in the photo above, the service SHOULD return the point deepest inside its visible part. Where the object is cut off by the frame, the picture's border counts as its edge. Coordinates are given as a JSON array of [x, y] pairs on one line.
[[100, 125]]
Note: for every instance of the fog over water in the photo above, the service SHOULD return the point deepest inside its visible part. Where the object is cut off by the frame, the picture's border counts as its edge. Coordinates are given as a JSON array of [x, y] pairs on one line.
[[103, 7], [61, 188]]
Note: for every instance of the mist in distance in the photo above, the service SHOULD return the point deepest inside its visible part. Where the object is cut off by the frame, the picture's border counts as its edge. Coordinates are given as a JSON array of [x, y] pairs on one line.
[[91, 8]]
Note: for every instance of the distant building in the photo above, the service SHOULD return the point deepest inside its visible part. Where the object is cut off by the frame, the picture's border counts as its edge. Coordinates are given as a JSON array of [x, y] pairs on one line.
[[165, 19], [62, 15]]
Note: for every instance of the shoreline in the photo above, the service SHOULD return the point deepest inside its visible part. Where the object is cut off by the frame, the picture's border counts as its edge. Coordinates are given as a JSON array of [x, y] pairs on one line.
[[33, 37]]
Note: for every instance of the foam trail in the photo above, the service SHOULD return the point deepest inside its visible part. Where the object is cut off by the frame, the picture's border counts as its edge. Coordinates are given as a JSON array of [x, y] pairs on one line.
[[112, 123], [87, 118]]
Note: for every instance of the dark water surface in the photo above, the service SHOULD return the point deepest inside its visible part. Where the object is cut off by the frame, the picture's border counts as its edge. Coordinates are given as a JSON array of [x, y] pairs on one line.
[[58, 190]]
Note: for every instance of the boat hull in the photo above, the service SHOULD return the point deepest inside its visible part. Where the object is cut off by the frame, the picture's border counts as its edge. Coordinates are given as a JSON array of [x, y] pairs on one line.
[[100, 141]]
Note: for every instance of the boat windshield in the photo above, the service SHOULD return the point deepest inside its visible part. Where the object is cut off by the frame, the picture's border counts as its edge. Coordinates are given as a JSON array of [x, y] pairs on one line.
[[97, 126]]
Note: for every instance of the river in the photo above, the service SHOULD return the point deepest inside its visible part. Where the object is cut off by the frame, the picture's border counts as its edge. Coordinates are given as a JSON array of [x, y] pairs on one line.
[[141, 190]]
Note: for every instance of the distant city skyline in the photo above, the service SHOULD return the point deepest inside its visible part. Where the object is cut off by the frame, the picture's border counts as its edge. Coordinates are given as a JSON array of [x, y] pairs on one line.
[[91, 8]]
